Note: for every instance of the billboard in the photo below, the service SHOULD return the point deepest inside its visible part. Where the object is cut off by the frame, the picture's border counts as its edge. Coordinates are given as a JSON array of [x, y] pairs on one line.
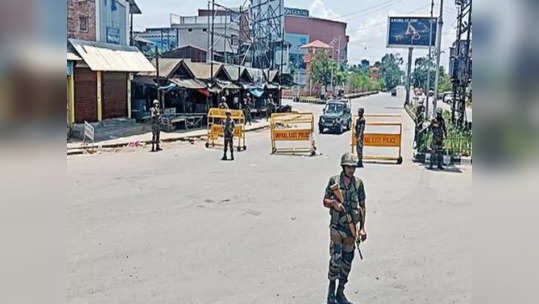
[[406, 32], [297, 12], [297, 53]]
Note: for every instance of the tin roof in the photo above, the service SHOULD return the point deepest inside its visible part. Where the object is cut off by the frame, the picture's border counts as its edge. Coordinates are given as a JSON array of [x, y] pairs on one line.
[[233, 71], [316, 44], [71, 56], [189, 83], [111, 57], [167, 67], [202, 70]]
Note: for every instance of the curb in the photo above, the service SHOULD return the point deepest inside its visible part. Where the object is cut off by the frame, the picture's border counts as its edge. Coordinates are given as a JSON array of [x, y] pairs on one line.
[[419, 157], [80, 150]]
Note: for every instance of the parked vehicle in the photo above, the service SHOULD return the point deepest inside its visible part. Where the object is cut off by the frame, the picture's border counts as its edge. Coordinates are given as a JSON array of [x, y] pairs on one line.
[[337, 117], [394, 92]]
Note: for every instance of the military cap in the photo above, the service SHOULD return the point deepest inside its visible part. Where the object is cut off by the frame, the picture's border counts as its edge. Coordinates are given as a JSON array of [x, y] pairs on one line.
[[349, 159]]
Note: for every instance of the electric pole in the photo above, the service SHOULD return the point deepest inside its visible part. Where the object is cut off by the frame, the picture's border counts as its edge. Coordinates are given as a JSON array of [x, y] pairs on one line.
[[430, 62], [438, 52]]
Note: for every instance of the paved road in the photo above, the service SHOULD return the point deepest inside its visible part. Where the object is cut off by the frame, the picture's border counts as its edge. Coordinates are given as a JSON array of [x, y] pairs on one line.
[[180, 226]]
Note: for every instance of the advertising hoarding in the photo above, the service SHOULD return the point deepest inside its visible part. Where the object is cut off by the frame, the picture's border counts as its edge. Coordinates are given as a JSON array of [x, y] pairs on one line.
[[406, 32]]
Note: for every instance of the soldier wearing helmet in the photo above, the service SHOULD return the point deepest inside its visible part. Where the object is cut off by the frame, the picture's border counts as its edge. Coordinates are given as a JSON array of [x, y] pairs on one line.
[[439, 131], [228, 134], [155, 115], [360, 129], [342, 244]]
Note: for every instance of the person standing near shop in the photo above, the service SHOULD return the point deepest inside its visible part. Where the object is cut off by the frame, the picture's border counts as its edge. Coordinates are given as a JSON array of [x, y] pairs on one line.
[[155, 115], [360, 129], [347, 209], [247, 109], [223, 104], [228, 134]]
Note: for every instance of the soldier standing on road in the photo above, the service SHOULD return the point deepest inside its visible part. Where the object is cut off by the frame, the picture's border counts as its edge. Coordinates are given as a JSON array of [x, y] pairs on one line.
[[155, 114], [342, 244], [360, 129], [439, 131], [247, 109], [419, 119], [228, 133], [223, 104], [269, 107]]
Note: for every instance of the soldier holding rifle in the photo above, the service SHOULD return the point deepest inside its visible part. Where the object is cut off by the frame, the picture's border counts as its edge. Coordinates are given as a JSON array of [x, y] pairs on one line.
[[345, 198]]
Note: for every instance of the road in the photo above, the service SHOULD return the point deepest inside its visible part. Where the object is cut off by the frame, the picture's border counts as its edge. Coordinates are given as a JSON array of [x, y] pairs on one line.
[[180, 226]]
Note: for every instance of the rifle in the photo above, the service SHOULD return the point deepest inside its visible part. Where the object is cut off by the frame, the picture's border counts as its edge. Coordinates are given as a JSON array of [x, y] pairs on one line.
[[340, 197]]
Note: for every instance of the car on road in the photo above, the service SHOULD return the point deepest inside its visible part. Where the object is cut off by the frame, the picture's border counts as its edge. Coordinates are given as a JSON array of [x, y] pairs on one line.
[[337, 117], [394, 92]]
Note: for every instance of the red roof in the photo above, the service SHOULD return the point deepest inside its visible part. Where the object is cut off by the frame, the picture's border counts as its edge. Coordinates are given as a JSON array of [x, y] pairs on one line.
[[317, 44]]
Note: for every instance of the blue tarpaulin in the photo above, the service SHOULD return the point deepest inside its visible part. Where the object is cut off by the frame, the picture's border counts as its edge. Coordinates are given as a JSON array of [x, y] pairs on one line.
[[257, 92]]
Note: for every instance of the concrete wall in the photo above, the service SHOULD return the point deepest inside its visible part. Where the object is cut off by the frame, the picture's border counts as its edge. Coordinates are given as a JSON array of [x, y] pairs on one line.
[[76, 9]]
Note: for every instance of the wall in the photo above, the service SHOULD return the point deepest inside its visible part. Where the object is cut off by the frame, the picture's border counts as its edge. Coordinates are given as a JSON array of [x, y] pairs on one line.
[[320, 29], [76, 9]]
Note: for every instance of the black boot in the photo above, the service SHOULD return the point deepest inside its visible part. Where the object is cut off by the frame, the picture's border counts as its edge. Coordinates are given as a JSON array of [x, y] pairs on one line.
[[360, 164], [331, 293], [158, 149], [341, 299], [224, 157], [153, 147]]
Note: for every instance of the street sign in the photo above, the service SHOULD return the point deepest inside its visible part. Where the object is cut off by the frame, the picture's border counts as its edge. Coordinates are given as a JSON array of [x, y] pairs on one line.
[[88, 131], [407, 32]]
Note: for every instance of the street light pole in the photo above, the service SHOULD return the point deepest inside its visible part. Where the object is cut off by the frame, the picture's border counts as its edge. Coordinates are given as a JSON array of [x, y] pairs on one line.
[[430, 61]]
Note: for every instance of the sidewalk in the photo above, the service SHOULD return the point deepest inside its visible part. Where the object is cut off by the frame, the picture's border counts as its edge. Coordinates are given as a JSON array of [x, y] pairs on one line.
[[165, 137]]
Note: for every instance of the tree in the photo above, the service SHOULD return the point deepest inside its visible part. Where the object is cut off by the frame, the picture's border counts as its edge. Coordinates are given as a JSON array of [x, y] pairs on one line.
[[444, 83], [322, 68], [390, 72], [420, 73]]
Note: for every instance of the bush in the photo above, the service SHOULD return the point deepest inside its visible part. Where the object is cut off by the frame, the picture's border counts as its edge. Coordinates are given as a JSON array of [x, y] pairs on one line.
[[457, 143]]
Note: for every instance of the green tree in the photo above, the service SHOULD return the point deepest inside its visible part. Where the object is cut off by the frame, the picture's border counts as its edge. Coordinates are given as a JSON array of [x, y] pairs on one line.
[[390, 72], [420, 73], [444, 82], [322, 68]]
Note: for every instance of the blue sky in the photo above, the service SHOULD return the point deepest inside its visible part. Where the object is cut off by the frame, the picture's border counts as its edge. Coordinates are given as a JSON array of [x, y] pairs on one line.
[[366, 19]]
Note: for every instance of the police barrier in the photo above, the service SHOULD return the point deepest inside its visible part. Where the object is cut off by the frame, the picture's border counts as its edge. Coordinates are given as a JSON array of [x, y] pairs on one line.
[[216, 119], [379, 139], [292, 127]]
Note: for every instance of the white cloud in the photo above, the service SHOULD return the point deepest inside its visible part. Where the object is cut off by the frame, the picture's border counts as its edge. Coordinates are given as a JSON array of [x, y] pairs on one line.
[[318, 9]]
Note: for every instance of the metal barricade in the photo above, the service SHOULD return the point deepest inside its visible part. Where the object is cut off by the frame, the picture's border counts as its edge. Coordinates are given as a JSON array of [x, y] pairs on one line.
[[292, 127], [379, 139], [216, 118]]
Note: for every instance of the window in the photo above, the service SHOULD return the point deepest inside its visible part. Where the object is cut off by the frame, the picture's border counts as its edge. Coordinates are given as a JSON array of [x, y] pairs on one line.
[[83, 23]]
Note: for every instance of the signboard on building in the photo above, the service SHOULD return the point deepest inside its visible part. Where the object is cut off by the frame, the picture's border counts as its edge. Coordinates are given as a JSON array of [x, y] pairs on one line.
[[297, 12], [113, 35], [296, 52], [406, 32]]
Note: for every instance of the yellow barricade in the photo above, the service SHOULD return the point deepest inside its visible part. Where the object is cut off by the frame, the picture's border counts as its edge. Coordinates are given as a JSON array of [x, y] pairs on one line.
[[216, 118], [378, 139], [292, 127]]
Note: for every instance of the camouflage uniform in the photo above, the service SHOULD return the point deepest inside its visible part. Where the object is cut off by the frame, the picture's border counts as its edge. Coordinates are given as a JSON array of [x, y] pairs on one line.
[[155, 114], [437, 126], [419, 119], [342, 243], [360, 128], [228, 133]]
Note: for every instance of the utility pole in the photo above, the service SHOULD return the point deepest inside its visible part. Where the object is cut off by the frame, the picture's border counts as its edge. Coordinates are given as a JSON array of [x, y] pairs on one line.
[[430, 61], [407, 101], [224, 38], [212, 28], [438, 47], [208, 56], [281, 17], [157, 71]]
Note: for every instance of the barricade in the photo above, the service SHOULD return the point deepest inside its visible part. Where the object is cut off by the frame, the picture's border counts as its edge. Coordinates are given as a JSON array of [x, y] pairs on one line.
[[216, 118], [379, 139], [295, 128]]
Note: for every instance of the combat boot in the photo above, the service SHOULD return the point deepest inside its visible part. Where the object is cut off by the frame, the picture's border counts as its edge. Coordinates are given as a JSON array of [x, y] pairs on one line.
[[158, 148], [224, 157], [360, 164], [331, 293], [341, 299]]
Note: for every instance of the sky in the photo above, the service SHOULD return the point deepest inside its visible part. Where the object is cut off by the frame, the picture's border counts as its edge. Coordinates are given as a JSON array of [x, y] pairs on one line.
[[366, 20]]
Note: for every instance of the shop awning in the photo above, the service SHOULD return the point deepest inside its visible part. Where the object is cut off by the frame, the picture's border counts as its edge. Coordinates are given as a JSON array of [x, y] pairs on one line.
[[227, 85], [246, 85], [271, 86], [257, 92], [204, 92], [189, 83], [108, 57]]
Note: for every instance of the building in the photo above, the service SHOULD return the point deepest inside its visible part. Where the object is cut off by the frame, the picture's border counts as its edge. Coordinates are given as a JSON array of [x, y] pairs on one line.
[[193, 53], [301, 29], [100, 61], [195, 31], [312, 48], [165, 38]]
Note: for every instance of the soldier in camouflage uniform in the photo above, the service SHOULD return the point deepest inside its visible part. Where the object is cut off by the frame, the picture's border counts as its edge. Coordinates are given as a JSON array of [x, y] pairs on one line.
[[342, 244], [155, 114], [223, 104], [360, 129], [439, 131], [228, 134], [419, 119]]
